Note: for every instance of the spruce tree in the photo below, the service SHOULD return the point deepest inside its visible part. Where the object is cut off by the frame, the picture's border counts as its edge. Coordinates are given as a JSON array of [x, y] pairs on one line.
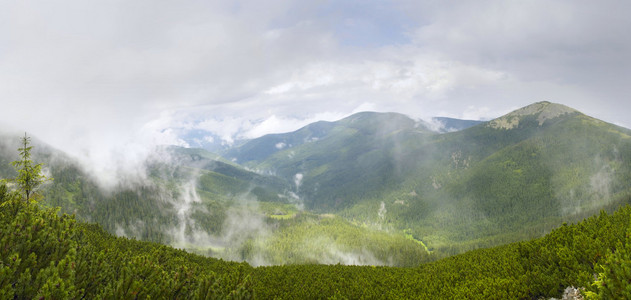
[[30, 177]]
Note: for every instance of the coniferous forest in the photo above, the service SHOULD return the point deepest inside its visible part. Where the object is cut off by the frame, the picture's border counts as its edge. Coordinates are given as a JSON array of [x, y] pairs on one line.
[[51, 256], [47, 253]]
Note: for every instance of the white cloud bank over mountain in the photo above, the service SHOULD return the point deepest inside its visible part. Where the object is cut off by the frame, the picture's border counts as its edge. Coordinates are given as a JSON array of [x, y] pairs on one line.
[[107, 80]]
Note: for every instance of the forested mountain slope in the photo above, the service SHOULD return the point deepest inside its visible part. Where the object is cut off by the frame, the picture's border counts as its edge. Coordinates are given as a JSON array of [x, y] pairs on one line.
[[333, 163], [507, 179], [198, 201], [184, 190], [51, 256], [45, 255], [354, 190]]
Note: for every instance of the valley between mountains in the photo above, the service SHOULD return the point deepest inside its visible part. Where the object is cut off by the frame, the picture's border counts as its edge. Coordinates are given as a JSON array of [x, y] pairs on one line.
[[376, 189], [373, 188]]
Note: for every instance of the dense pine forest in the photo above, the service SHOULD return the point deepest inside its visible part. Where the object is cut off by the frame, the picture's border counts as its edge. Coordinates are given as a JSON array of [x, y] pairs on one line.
[[45, 254]]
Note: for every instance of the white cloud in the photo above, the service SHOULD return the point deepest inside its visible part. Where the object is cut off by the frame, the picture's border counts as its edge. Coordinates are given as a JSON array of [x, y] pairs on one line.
[[106, 80], [275, 124], [227, 129]]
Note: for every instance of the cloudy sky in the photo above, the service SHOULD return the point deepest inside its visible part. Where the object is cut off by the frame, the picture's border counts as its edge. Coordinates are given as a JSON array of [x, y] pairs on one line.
[[103, 79]]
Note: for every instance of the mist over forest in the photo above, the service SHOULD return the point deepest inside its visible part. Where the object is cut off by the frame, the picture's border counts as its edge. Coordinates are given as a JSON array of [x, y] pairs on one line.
[[315, 149], [369, 189]]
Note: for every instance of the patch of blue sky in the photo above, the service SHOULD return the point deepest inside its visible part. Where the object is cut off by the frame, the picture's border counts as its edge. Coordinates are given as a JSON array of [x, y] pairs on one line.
[[368, 23]]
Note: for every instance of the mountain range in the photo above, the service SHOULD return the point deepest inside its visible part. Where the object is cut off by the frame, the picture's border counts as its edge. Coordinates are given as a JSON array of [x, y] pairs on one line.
[[372, 188]]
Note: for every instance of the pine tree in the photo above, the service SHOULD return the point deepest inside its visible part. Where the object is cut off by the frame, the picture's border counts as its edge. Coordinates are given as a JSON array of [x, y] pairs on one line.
[[615, 279], [30, 177]]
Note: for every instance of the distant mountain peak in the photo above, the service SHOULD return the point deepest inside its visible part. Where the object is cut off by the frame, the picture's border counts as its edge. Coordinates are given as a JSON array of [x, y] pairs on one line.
[[543, 110]]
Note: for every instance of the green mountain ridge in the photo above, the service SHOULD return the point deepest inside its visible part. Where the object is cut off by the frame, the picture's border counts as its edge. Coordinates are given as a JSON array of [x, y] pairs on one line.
[[362, 188], [511, 178]]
